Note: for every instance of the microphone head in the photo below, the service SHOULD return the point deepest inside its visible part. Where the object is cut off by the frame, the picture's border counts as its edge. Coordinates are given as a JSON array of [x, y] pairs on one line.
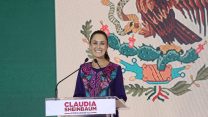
[[95, 60], [86, 60]]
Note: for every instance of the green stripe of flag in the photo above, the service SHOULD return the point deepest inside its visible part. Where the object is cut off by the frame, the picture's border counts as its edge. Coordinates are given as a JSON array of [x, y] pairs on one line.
[[27, 56]]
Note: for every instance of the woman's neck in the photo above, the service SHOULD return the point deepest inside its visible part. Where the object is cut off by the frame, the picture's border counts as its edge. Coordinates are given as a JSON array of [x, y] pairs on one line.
[[100, 63]]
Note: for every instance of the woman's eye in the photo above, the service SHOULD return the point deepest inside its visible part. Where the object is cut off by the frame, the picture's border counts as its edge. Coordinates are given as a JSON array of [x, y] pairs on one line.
[[102, 43]]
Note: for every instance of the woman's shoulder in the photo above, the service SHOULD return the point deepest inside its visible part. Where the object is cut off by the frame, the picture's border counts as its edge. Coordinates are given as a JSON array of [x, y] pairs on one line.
[[114, 64], [88, 64]]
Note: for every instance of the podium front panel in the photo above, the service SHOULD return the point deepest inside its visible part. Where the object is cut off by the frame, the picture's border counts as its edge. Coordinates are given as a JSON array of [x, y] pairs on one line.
[[56, 107]]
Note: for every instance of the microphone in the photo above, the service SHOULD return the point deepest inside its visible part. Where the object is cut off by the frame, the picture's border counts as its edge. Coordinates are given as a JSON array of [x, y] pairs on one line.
[[56, 89], [95, 60]]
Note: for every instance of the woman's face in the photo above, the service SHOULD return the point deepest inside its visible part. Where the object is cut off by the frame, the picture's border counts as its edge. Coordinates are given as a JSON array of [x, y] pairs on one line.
[[98, 46]]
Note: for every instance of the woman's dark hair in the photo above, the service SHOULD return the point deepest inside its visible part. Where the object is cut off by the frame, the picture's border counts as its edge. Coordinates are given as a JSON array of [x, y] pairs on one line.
[[106, 37]]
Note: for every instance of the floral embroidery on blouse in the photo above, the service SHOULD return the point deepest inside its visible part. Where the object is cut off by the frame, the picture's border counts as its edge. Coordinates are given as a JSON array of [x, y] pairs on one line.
[[97, 83]]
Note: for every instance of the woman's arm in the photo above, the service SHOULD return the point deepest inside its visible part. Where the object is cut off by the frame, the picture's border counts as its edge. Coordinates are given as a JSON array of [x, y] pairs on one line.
[[79, 88], [118, 86]]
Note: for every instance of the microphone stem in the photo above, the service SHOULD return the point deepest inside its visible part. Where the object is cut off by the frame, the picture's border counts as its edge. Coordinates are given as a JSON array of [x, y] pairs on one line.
[[56, 90], [98, 65], [96, 61]]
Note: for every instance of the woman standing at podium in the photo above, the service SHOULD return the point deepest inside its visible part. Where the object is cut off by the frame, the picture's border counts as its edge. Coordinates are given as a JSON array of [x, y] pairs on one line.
[[101, 77]]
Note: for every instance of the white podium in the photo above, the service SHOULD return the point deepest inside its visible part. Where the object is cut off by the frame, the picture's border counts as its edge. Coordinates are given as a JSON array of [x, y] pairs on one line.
[[83, 106]]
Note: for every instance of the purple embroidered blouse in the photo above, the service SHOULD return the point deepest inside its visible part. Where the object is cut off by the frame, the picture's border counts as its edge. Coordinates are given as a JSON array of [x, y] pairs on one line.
[[107, 81]]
